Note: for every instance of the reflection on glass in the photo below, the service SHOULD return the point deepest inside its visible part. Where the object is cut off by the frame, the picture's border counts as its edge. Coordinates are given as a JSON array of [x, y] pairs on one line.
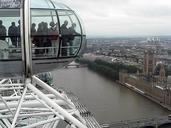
[[76, 22], [60, 6], [84, 45], [41, 4], [10, 42], [71, 48], [76, 45]]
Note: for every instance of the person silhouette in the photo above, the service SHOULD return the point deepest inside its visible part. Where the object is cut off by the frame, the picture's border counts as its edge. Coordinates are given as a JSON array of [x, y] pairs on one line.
[[33, 29], [12, 34], [39, 39], [65, 39], [53, 34], [2, 31], [72, 33], [64, 29]]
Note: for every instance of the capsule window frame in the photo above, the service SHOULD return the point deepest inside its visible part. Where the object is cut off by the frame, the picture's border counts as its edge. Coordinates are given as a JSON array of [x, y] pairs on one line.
[[43, 9], [79, 35]]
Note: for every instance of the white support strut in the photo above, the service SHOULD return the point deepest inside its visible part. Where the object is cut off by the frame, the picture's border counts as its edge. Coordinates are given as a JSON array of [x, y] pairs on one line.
[[56, 107], [50, 89], [19, 107]]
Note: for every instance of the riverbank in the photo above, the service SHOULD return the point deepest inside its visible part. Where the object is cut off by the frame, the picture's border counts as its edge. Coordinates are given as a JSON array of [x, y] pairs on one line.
[[133, 88], [107, 100], [131, 80], [106, 69]]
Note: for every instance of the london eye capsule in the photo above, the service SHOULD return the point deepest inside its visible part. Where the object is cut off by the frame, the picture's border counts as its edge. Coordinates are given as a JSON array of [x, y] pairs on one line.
[[37, 36]]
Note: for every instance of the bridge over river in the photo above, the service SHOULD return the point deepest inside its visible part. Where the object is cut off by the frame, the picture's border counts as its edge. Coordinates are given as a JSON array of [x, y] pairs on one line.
[[159, 122]]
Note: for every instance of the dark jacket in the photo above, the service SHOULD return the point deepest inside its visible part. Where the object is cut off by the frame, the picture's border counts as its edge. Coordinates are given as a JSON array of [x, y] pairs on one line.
[[2, 32]]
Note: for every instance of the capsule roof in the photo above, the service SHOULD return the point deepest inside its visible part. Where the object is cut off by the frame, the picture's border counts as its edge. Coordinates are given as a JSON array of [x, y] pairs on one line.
[[48, 4], [44, 4]]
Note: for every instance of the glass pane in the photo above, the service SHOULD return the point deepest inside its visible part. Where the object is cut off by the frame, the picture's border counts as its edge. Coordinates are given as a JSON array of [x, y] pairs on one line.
[[84, 46], [70, 31], [75, 45], [75, 21], [60, 6], [45, 33], [72, 47], [82, 25], [41, 4], [65, 22], [10, 3], [10, 42]]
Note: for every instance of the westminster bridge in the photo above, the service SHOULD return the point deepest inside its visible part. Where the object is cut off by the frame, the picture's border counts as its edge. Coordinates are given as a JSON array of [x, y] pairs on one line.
[[158, 122]]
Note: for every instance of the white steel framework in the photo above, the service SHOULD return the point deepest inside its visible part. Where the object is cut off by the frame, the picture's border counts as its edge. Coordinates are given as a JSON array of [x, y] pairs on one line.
[[34, 107]]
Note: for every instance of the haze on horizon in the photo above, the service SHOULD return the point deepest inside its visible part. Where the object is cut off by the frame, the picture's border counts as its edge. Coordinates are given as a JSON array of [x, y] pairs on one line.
[[112, 18]]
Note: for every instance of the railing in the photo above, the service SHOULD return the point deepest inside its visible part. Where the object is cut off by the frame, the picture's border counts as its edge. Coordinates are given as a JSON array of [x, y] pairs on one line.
[[38, 52], [12, 50]]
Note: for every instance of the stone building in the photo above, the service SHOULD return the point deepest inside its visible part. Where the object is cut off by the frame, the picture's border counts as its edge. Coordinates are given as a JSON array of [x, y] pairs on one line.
[[160, 75], [149, 62]]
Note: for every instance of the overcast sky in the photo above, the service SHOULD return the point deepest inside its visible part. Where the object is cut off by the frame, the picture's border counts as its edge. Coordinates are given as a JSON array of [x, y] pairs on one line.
[[111, 18]]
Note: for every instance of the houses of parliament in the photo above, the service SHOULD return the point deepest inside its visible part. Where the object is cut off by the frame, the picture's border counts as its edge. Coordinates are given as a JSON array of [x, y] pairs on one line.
[[152, 82]]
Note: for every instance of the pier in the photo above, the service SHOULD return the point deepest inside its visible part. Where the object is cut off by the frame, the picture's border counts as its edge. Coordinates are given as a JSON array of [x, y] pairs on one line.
[[75, 65]]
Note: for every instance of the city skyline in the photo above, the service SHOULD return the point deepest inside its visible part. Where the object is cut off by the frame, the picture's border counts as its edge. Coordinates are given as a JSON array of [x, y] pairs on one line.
[[114, 18]]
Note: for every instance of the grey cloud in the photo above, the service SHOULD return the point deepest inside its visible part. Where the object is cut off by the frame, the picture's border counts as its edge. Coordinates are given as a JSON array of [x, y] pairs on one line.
[[157, 11], [123, 17]]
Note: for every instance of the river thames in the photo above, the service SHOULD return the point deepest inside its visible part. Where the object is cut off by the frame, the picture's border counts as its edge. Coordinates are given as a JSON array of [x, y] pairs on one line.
[[108, 101]]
